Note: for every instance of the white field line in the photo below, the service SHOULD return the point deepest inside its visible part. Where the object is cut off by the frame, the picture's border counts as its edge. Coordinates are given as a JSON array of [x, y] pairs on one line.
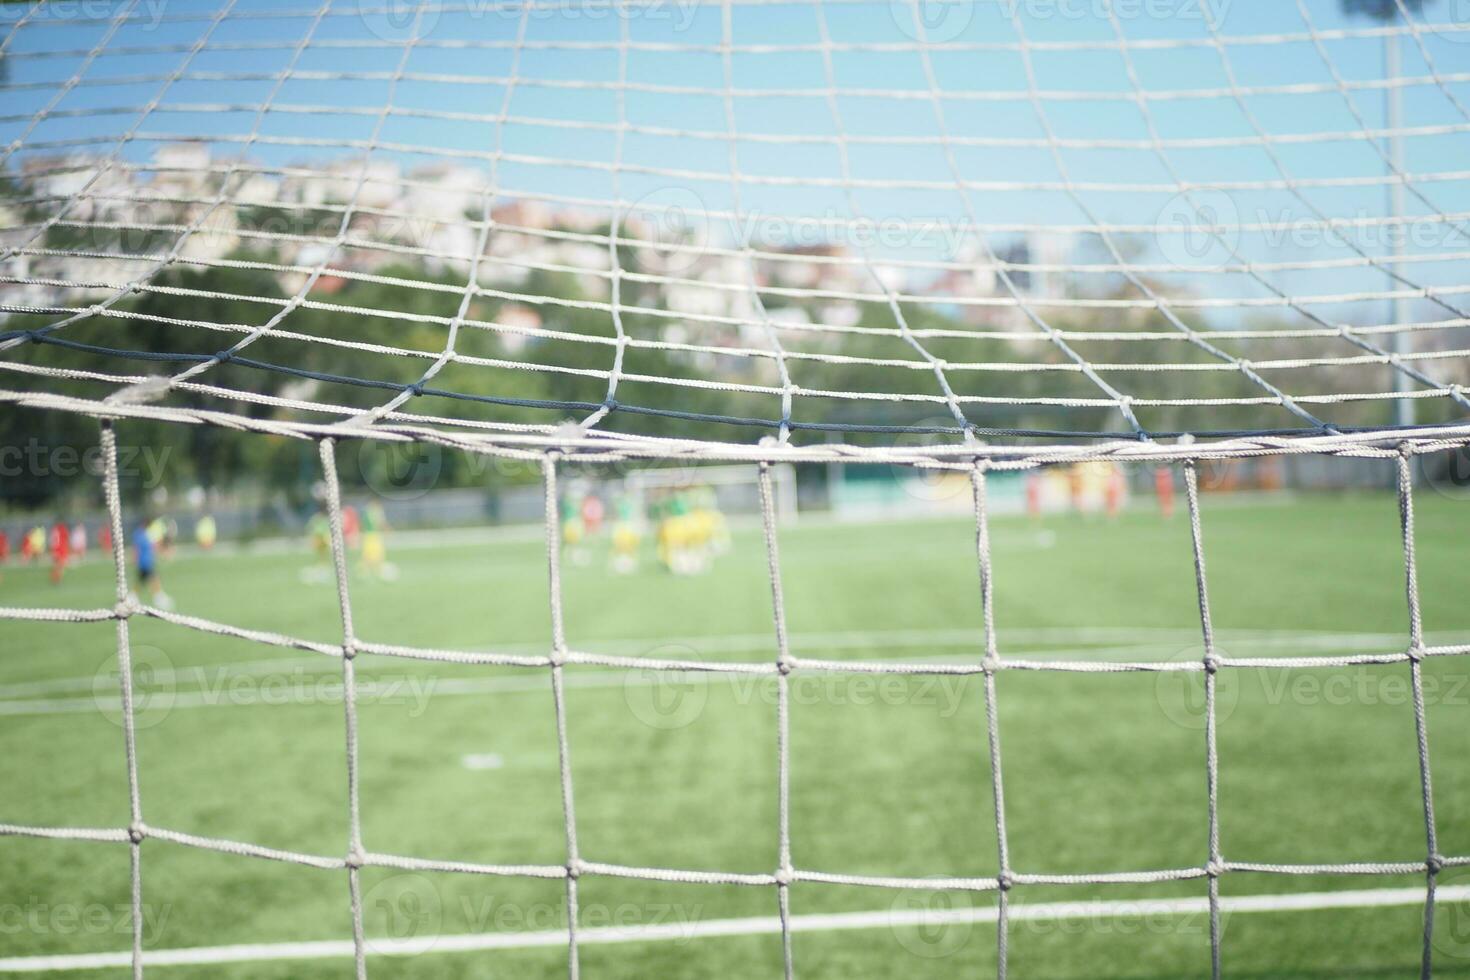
[[715, 928]]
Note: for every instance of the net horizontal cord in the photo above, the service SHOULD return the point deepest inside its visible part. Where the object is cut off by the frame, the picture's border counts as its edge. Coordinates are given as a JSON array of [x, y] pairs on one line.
[[780, 668], [598, 446], [734, 306], [830, 223], [1004, 142], [533, 7], [680, 248], [898, 94], [795, 662], [979, 883]]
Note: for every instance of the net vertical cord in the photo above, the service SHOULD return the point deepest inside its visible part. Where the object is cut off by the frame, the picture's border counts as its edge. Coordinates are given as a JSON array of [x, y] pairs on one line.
[[1212, 754], [784, 871], [355, 851], [558, 693], [991, 663], [1433, 862], [125, 680]]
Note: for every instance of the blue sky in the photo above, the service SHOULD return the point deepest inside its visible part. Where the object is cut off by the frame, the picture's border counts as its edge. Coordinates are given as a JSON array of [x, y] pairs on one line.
[[164, 29]]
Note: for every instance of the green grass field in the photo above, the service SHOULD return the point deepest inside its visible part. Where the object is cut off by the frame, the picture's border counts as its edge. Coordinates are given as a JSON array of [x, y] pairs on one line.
[[1103, 773]]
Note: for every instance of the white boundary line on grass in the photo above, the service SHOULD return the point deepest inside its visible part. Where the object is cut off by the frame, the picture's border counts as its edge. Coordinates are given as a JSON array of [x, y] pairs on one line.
[[715, 928]]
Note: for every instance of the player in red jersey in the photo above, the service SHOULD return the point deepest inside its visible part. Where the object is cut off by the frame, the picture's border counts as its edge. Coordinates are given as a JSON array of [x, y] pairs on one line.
[[60, 547], [1164, 490]]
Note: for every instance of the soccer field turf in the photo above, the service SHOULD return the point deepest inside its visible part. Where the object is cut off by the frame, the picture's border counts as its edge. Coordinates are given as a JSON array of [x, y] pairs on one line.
[[1103, 772]]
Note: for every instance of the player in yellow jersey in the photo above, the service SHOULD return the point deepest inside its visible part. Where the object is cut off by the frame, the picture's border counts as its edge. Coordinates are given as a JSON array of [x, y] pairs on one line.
[[374, 545], [626, 537]]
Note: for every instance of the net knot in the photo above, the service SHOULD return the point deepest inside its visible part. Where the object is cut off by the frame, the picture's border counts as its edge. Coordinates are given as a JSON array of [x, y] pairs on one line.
[[1435, 863], [990, 664], [1415, 653], [415, 389], [1004, 881], [124, 609], [355, 859], [1212, 664], [611, 404], [1215, 868], [137, 831], [349, 650], [783, 666], [223, 356], [784, 876], [34, 336], [574, 868], [1406, 450], [558, 657]]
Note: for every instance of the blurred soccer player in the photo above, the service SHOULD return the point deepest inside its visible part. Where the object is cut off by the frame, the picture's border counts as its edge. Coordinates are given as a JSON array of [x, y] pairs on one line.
[[319, 534], [146, 550], [34, 544], [374, 546], [351, 527], [626, 537], [206, 532], [1164, 490], [60, 550]]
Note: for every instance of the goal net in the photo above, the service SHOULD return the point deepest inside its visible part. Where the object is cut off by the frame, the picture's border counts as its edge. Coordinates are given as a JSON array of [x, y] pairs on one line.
[[945, 239]]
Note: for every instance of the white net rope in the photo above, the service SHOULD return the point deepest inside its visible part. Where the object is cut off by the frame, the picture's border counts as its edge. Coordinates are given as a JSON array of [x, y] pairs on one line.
[[873, 224], [961, 237], [787, 870]]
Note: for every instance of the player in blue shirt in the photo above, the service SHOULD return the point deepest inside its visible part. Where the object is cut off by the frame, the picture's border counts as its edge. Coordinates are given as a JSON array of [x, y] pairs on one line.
[[146, 548]]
